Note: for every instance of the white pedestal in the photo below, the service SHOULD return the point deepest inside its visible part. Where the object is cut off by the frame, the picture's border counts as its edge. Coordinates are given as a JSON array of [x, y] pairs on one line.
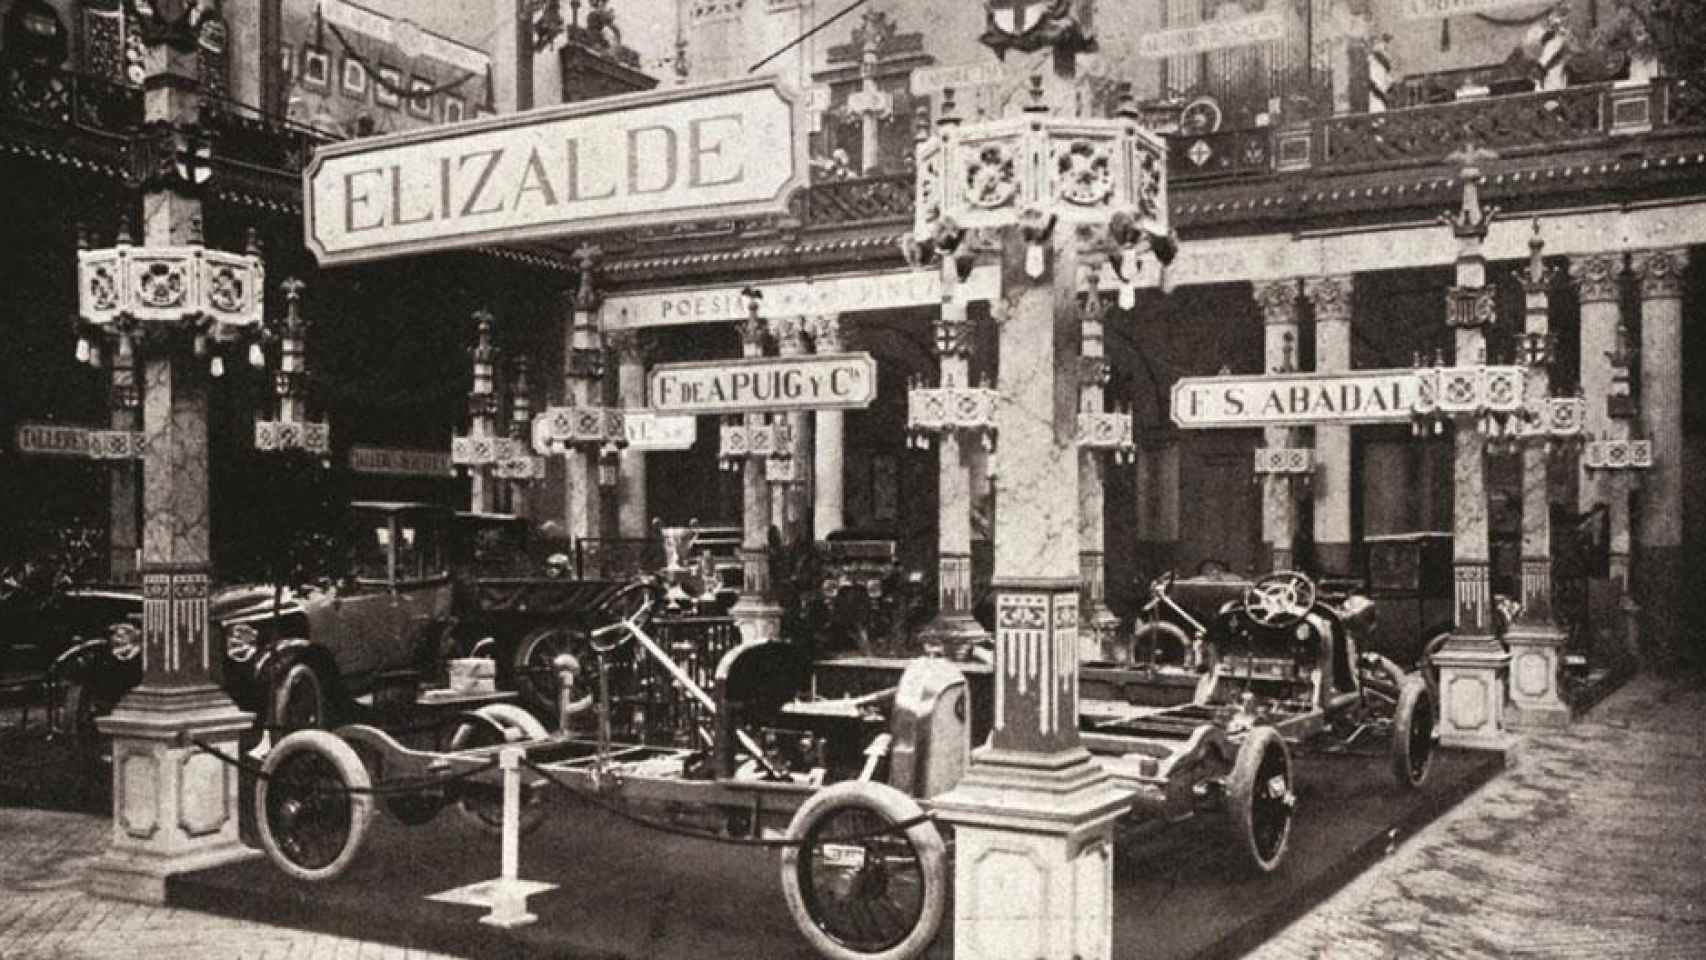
[[1537, 700], [1472, 675], [174, 806], [758, 620], [1033, 859]]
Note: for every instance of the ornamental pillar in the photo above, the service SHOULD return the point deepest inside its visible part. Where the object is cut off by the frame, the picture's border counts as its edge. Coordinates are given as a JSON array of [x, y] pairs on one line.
[[792, 468], [871, 104], [1660, 410], [1278, 300], [1598, 284], [1331, 483], [583, 374], [633, 349], [174, 807], [829, 428], [124, 531], [1535, 641], [1034, 814], [1472, 663], [483, 416], [956, 415], [758, 615], [1101, 434], [520, 432]]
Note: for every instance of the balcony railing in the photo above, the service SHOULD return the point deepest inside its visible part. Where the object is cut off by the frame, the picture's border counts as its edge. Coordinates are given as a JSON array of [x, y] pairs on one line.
[[870, 199], [1510, 124]]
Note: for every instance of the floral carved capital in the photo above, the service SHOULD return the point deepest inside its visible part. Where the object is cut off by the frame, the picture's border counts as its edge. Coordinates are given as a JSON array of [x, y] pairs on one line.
[[1331, 297], [1278, 300], [1660, 272], [1597, 277]]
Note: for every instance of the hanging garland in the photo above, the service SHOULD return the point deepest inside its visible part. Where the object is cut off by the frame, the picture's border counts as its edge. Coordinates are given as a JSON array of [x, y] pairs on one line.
[[320, 26], [1529, 20]]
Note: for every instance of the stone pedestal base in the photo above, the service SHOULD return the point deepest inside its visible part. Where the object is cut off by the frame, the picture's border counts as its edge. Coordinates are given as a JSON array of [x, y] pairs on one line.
[[1472, 673], [757, 618], [1033, 856], [1536, 665], [174, 806], [952, 632]]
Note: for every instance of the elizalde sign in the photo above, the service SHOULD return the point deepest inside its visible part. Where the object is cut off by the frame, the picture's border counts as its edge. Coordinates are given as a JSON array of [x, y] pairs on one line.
[[1213, 35], [650, 431], [817, 382], [1362, 396], [397, 462], [730, 149]]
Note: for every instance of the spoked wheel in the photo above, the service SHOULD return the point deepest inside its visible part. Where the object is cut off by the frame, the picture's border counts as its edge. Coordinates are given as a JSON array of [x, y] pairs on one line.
[[311, 825], [297, 702], [534, 666], [1413, 733], [1260, 801], [490, 726], [858, 888]]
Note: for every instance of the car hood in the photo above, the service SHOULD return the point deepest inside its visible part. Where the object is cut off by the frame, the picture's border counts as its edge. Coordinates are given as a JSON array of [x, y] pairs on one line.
[[250, 602]]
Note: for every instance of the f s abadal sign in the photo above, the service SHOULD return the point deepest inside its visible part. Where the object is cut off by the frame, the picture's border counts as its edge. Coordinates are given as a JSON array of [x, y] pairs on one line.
[[717, 150]]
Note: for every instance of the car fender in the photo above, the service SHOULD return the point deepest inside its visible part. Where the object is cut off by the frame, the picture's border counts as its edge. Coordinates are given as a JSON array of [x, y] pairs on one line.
[[91, 663], [271, 665]]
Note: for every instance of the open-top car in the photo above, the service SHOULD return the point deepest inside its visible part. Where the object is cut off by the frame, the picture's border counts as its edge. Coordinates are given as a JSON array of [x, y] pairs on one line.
[[1282, 667]]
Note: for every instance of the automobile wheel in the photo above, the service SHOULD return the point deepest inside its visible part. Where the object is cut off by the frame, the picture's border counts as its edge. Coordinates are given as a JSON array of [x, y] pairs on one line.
[[297, 701], [1413, 733], [311, 825], [535, 670], [857, 887], [489, 726], [1260, 801]]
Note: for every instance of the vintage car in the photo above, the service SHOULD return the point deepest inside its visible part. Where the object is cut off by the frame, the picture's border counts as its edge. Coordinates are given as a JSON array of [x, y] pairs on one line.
[[1282, 667], [303, 655], [847, 779]]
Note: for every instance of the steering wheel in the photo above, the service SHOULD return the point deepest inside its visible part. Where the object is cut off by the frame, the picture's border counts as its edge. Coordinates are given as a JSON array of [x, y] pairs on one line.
[[1162, 583], [1279, 599], [632, 606]]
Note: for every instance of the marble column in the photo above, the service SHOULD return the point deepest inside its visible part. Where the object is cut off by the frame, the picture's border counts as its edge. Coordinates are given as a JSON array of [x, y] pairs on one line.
[[1278, 300], [1033, 815], [1472, 664], [633, 349], [1661, 411], [953, 627], [829, 428], [1535, 642], [1097, 625], [521, 432], [1599, 289], [583, 375], [482, 414], [174, 806], [1331, 486], [124, 532], [758, 615], [789, 501]]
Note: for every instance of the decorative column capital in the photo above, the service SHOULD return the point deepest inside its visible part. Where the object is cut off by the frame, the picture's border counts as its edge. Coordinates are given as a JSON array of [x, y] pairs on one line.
[[752, 330], [1331, 297], [791, 335], [1278, 300], [829, 333], [587, 296], [1597, 277], [1660, 272]]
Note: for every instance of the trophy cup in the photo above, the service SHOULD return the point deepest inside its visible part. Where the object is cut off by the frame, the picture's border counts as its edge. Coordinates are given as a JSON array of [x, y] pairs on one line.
[[677, 542]]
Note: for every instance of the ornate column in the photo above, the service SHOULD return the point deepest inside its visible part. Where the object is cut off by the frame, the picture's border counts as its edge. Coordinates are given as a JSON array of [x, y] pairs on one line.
[[1660, 410], [829, 427], [477, 450], [1331, 297], [583, 371], [1101, 434], [1472, 663], [1033, 815], [1535, 642], [633, 350], [957, 415], [124, 532], [174, 807], [520, 430], [791, 475], [870, 103], [1599, 290], [759, 616], [1279, 511]]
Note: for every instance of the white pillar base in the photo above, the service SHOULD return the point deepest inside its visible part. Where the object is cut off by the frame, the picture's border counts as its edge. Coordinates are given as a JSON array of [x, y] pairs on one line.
[[1033, 858], [1472, 674], [1537, 700], [174, 806], [504, 899]]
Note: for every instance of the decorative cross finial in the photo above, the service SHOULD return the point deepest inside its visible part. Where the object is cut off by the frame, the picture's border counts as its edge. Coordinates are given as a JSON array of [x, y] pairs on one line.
[[1472, 219], [1536, 264]]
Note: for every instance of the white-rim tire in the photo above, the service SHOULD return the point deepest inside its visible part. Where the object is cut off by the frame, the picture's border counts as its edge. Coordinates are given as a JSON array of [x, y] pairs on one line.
[[1413, 733], [1260, 800], [310, 827], [515, 719], [908, 870]]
